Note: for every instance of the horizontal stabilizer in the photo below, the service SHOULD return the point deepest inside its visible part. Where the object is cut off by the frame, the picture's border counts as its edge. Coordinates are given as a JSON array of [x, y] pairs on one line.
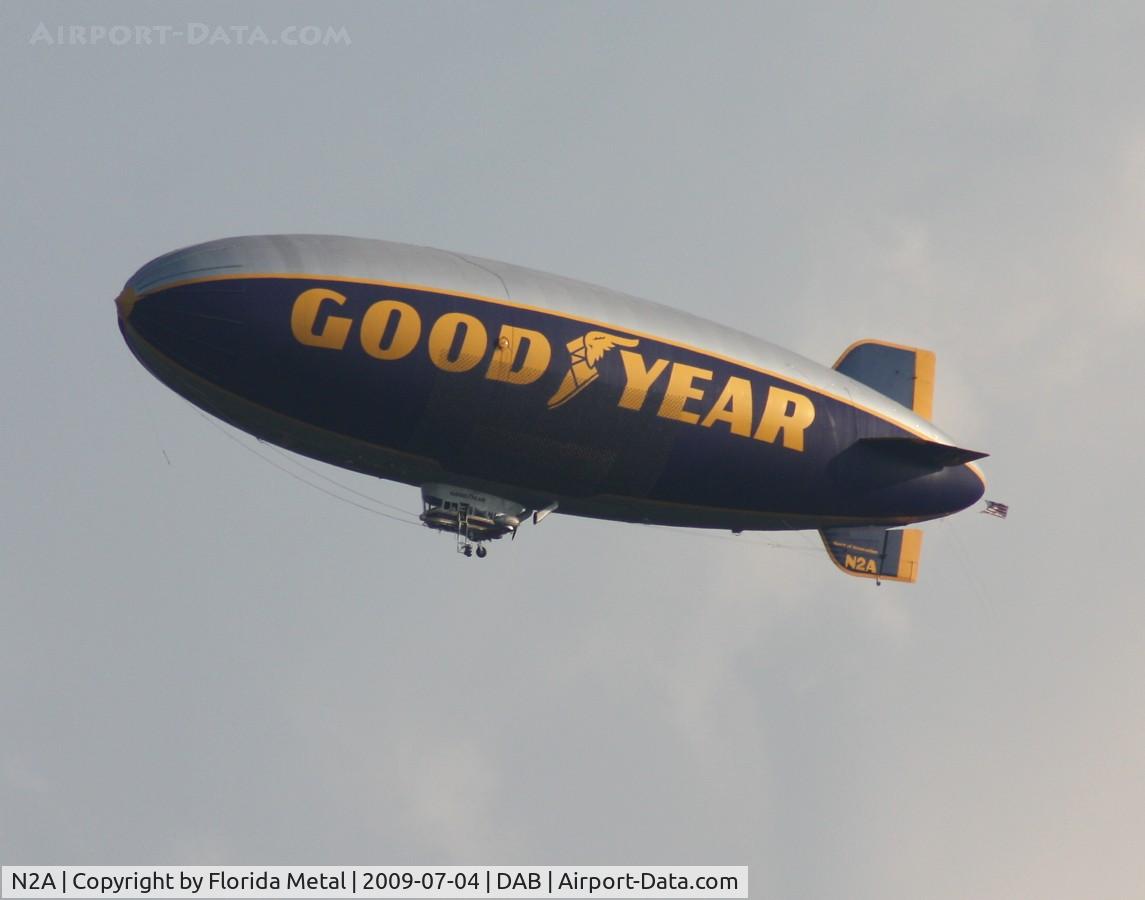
[[905, 374], [930, 454], [869, 551]]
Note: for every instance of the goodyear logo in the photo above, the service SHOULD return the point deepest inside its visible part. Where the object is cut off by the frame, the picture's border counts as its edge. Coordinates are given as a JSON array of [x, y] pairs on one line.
[[459, 342]]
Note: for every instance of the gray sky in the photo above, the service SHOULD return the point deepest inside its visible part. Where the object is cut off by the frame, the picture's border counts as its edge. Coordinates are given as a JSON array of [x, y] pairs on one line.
[[207, 661]]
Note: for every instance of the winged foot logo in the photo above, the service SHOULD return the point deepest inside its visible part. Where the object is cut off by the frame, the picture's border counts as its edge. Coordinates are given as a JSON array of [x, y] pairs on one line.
[[585, 353]]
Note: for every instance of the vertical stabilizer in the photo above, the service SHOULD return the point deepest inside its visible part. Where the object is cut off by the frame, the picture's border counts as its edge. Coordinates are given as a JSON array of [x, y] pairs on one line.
[[883, 554], [905, 374]]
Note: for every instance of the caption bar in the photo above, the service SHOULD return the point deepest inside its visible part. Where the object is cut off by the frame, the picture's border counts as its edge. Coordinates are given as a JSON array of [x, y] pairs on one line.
[[381, 882]]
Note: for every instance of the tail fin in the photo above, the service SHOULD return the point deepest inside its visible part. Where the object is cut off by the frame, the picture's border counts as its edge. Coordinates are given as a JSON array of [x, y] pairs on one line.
[[873, 552], [921, 452], [905, 374]]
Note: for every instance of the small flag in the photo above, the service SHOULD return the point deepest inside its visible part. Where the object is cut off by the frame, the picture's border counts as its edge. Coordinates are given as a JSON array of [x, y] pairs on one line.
[[998, 510]]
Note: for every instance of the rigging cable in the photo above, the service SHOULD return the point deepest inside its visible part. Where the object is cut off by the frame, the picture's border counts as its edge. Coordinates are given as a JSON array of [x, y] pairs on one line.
[[410, 520]]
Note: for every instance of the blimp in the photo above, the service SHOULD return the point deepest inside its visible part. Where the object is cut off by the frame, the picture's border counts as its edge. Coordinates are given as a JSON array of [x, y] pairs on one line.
[[506, 394]]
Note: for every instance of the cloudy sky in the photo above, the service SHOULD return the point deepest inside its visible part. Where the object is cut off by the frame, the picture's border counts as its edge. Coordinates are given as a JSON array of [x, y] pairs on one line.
[[208, 661]]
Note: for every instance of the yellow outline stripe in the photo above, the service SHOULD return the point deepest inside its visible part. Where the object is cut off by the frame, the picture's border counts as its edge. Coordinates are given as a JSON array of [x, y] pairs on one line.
[[233, 276], [924, 384], [911, 555], [878, 342]]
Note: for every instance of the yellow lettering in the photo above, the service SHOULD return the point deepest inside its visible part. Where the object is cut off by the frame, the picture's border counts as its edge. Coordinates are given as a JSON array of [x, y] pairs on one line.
[[638, 380], [407, 329], [304, 316], [532, 365], [443, 336], [787, 412], [861, 564], [680, 390], [733, 407]]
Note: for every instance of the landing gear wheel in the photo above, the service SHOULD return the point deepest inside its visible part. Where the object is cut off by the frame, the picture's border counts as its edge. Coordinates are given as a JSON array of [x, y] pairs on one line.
[[481, 552], [468, 551]]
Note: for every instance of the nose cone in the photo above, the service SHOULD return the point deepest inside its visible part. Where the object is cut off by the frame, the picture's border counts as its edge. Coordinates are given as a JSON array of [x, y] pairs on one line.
[[125, 302], [180, 323]]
